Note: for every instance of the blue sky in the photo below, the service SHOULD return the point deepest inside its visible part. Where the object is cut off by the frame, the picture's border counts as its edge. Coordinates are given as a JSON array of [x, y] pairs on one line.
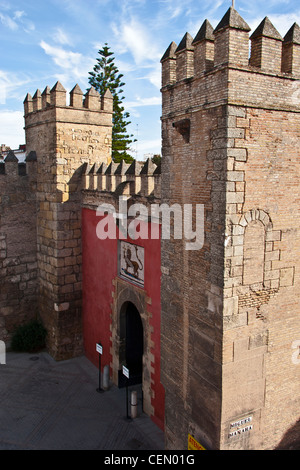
[[45, 41]]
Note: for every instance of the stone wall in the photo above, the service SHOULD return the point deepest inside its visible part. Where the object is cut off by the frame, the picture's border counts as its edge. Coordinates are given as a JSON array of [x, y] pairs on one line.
[[18, 258], [66, 138]]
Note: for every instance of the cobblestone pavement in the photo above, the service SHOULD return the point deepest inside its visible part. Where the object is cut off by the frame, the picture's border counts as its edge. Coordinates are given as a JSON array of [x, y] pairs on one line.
[[49, 405]]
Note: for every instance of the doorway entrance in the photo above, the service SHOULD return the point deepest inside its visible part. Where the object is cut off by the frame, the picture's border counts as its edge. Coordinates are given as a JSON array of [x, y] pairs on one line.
[[132, 340]]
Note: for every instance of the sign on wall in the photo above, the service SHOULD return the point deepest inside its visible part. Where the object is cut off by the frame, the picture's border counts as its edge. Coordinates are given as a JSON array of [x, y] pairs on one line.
[[125, 372], [240, 427], [193, 444], [131, 262]]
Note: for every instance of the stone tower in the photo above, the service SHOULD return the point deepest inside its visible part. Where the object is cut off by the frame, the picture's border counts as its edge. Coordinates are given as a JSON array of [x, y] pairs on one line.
[[66, 139], [230, 311]]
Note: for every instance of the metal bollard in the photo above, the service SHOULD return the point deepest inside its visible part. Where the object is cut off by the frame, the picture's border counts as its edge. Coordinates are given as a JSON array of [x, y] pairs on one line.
[[106, 377], [133, 404]]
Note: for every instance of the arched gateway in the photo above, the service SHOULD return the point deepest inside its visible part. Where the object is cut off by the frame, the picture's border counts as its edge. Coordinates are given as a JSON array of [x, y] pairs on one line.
[[131, 339]]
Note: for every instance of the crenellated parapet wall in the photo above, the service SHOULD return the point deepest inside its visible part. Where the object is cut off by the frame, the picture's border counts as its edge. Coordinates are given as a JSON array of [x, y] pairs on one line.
[[225, 50], [228, 44], [57, 97], [12, 168], [75, 131], [135, 179]]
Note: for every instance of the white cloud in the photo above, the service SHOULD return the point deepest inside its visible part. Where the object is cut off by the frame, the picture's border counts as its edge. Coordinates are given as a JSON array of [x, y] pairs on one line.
[[155, 76], [10, 85], [146, 146], [74, 66], [11, 125], [9, 22], [62, 58], [134, 37], [61, 37], [282, 22], [153, 101], [4, 82], [18, 20], [18, 14]]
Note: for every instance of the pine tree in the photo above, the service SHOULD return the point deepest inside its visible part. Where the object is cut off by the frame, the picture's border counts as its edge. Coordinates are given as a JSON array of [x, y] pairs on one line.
[[105, 75]]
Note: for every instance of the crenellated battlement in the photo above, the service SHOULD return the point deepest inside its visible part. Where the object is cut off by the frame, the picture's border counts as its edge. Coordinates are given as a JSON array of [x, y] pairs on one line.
[[66, 135], [11, 166], [137, 178], [228, 45], [57, 97]]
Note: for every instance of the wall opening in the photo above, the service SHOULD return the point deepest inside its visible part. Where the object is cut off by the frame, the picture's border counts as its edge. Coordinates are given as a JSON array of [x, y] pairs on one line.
[[254, 253], [131, 344]]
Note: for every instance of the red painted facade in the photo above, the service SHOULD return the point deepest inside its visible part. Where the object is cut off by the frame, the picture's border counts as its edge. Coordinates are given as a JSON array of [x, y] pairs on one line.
[[100, 268]]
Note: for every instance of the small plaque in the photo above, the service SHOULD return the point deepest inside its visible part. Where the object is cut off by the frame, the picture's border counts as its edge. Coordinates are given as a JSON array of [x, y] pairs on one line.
[[125, 372], [131, 266]]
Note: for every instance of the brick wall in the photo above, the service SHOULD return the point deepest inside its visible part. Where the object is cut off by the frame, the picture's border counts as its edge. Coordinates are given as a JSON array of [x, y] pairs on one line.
[[228, 371], [264, 281]]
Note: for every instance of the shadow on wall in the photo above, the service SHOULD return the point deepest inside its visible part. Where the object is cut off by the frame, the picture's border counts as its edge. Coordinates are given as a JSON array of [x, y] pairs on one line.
[[291, 439]]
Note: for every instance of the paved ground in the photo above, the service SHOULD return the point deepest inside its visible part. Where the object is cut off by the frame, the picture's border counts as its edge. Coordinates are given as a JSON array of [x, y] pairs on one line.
[[48, 405]]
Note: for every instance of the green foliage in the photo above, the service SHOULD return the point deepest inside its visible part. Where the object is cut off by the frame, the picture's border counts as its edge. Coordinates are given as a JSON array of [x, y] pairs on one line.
[[106, 75], [156, 159], [29, 338]]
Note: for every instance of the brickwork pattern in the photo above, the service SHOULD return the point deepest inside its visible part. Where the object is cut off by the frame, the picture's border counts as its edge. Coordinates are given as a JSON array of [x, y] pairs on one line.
[[235, 301]]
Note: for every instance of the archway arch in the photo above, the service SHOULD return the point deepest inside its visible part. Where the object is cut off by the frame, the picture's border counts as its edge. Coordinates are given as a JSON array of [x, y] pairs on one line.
[[125, 293]]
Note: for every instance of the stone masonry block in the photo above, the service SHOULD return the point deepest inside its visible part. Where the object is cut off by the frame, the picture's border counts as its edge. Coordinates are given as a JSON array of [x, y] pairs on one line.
[[235, 198], [274, 235], [235, 176], [230, 306], [238, 230], [274, 274], [235, 321], [272, 255], [240, 154], [235, 111], [216, 154], [240, 347], [286, 277], [238, 133]]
